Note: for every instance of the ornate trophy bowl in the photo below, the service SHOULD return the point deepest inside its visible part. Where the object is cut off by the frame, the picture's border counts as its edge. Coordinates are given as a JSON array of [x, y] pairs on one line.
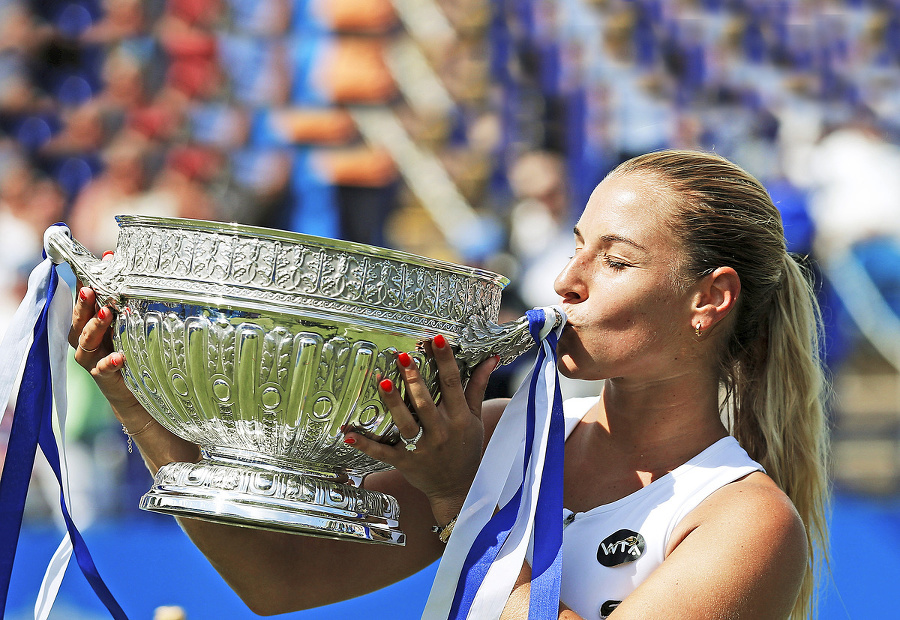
[[259, 345]]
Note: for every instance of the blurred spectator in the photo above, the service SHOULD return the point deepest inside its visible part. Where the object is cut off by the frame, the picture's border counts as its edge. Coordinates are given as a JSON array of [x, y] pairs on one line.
[[857, 188], [540, 225], [124, 187], [28, 205], [855, 204]]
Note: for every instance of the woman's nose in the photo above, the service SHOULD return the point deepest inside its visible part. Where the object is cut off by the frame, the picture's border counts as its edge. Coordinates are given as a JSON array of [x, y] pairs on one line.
[[569, 284]]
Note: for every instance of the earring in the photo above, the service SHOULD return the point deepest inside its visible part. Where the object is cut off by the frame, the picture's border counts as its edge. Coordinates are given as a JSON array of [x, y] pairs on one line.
[[698, 328]]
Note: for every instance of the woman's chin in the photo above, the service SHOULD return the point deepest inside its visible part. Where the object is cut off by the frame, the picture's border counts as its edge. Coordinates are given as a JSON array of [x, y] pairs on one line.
[[567, 369]]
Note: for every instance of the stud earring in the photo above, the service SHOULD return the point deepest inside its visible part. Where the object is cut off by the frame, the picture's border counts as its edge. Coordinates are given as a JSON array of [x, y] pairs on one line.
[[698, 328]]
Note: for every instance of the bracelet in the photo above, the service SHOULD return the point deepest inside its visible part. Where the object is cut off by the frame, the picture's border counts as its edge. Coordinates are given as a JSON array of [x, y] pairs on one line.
[[444, 532], [130, 435]]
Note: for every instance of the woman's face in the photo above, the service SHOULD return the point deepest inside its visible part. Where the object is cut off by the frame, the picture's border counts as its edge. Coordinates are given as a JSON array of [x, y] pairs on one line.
[[627, 318]]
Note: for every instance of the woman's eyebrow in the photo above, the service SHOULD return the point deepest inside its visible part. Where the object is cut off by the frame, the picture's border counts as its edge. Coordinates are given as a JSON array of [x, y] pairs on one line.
[[613, 238]]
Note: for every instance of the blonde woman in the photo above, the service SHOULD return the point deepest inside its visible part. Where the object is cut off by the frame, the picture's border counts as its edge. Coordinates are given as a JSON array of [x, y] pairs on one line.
[[694, 483]]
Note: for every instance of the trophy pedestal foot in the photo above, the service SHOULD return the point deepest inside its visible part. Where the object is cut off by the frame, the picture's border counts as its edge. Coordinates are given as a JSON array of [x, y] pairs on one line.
[[276, 499]]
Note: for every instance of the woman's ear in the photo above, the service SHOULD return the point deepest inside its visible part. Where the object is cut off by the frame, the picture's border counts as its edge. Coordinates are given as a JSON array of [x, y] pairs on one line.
[[716, 295]]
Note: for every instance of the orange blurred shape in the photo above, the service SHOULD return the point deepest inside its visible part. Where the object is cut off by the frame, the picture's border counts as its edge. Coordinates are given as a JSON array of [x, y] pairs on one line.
[[356, 15], [354, 70], [360, 166], [323, 126]]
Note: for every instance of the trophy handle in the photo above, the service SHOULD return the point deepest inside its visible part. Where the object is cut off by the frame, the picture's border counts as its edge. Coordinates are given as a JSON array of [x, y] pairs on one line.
[[102, 276], [481, 339]]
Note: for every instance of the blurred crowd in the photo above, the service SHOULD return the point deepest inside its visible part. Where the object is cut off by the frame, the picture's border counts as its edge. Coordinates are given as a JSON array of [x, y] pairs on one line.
[[243, 110]]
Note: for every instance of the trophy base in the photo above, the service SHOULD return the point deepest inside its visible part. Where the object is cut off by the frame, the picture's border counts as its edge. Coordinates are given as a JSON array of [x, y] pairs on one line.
[[277, 499]]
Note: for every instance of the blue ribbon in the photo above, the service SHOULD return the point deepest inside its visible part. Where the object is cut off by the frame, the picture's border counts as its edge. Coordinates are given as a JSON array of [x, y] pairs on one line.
[[547, 554], [32, 426]]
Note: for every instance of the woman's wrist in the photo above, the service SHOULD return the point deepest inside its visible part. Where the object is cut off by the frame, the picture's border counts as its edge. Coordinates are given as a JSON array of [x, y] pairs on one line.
[[158, 445], [445, 510]]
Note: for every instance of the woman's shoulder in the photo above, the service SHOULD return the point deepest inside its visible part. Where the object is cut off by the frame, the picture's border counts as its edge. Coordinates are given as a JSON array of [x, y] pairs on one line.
[[742, 551], [752, 513]]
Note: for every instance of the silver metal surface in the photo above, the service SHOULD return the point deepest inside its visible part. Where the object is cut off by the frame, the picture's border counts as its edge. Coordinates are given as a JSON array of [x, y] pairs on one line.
[[259, 345]]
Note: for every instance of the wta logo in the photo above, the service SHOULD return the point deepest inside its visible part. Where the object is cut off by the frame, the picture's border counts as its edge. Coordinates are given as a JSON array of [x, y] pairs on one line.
[[621, 548]]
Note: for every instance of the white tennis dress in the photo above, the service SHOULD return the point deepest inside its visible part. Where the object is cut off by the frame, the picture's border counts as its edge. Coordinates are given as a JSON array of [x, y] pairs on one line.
[[609, 550]]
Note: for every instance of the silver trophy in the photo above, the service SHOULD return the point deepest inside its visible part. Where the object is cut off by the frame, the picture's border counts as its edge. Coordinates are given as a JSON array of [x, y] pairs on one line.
[[259, 345]]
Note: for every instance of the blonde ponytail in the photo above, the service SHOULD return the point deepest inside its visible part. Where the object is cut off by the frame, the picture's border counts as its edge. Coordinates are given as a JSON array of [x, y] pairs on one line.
[[778, 415]]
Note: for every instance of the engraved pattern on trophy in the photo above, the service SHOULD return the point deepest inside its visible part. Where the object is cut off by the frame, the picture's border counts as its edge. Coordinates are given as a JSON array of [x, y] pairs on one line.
[[288, 273]]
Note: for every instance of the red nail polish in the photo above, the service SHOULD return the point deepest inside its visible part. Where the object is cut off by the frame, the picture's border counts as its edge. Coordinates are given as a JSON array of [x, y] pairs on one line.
[[350, 441], [107, 253], [404, 359], [387, 386], [102, 314], [82, 294], [439, 341], [115, 361], [343, 428]]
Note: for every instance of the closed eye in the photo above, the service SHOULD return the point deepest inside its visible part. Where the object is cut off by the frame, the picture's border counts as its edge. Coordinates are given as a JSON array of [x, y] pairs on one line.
[[612, 263]]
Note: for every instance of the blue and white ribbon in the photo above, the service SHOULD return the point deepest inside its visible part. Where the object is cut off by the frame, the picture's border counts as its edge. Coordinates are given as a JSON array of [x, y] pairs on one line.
[[514, 504], [40, 327]]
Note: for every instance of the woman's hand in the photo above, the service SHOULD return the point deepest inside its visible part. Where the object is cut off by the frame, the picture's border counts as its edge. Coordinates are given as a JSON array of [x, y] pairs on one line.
[[446, 457], [90, 337]]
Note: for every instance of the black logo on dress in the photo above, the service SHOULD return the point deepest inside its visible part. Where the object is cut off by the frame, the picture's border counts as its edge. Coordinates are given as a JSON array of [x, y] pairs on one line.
[[607, 608], [621, 548]]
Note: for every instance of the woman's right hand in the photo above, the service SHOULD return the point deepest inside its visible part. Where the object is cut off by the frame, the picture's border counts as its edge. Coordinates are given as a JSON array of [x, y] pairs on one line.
[[90, 337]]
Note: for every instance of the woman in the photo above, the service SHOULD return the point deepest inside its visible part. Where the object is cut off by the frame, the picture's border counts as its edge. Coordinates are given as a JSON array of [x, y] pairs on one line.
[[681, 296]]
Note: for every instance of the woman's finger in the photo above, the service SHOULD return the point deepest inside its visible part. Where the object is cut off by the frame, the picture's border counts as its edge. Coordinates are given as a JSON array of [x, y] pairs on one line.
[[376, 450], [82, 312], [109, 365], [449, 377], [416, 390], [92, 343], [404, 420], [478, 383]]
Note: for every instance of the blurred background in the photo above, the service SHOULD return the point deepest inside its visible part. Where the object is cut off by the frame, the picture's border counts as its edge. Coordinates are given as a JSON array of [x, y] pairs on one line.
[[467, 130]]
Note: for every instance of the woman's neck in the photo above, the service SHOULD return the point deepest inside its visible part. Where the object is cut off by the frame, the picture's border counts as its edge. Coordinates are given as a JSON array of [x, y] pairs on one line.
[[659, 425]]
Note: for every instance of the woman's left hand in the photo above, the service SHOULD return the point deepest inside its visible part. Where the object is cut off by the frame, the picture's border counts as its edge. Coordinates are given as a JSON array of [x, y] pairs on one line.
[[447, 455]]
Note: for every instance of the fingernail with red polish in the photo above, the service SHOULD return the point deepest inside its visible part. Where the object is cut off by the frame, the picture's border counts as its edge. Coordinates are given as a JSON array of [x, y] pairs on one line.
[[82, 294], [404, 359], [102, 314], [386, 386], [115, 361], [107, 253], [350, 441], [439, 341]]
